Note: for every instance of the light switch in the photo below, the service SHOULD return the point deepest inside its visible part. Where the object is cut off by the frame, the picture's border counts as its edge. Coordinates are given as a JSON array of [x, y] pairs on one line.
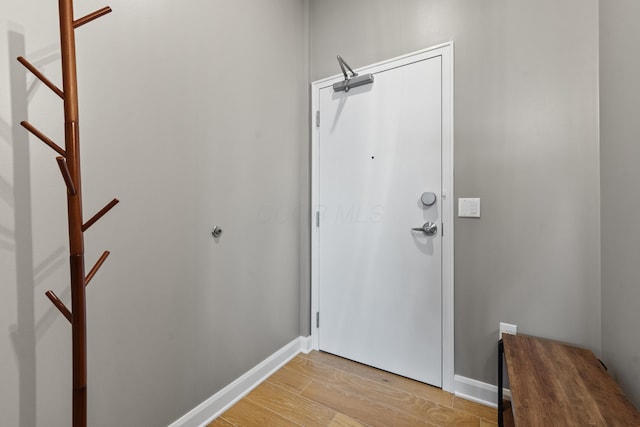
[[469, 208]]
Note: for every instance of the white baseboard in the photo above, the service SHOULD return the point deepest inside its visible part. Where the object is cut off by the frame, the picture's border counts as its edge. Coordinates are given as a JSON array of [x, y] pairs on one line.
[[478, 391], [306, 344], [217, 404]]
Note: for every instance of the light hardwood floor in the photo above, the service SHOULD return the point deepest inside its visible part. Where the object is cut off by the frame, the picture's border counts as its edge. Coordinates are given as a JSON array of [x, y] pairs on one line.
[[320, 389]]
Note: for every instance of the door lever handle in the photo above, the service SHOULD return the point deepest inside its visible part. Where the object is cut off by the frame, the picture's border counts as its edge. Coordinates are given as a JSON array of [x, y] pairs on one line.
[[429, 228]]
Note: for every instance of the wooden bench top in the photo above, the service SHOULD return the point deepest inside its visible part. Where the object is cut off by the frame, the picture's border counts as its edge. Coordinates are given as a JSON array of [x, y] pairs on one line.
[[554, 384]]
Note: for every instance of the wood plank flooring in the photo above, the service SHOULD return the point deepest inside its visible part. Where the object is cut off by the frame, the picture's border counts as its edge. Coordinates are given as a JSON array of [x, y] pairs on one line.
[[320, 389]]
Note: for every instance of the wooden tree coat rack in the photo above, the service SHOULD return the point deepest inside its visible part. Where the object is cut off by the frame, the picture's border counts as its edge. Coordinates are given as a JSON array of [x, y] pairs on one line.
[[69, 163]]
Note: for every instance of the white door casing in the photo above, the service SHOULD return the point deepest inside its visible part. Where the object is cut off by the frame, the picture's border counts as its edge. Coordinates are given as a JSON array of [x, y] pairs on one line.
[[393, 326]]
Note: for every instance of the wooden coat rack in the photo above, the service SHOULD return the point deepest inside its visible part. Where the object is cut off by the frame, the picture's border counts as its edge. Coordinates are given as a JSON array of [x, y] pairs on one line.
[[69, 163]]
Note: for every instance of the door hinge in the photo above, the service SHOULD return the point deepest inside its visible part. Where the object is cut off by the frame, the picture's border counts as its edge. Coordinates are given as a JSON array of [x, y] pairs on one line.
[[442, 228], [317, 319], [318, 118], [317, 218]]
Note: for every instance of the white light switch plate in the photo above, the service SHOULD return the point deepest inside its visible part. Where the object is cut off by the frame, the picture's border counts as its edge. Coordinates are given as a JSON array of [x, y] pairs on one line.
[[469, 207]]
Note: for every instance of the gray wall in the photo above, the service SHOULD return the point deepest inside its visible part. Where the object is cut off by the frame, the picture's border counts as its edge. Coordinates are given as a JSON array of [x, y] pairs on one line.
[[620, 151], [526, 142], [184, 118]]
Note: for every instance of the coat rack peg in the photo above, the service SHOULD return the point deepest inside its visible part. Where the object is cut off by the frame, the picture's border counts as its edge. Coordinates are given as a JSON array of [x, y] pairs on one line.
[[41, 76], [59, 305], [100, 214], [64, 169], [96, 267], [42, 137], [90, 17]]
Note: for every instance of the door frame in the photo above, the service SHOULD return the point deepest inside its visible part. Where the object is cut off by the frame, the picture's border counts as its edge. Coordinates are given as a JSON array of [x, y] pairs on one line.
[[445, 51]]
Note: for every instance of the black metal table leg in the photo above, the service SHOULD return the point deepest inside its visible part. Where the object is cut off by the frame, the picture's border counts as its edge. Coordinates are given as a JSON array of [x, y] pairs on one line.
[[500, 397]]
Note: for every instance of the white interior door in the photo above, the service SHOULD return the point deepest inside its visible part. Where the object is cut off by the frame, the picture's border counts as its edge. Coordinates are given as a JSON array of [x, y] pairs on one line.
[[379, 281]]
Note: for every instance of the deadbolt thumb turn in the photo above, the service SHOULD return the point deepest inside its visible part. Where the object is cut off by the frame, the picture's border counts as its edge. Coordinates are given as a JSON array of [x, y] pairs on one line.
[[429, 228]]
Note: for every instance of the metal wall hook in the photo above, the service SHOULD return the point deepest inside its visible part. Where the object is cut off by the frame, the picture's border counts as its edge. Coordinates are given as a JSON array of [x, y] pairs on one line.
[[216, 232]]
